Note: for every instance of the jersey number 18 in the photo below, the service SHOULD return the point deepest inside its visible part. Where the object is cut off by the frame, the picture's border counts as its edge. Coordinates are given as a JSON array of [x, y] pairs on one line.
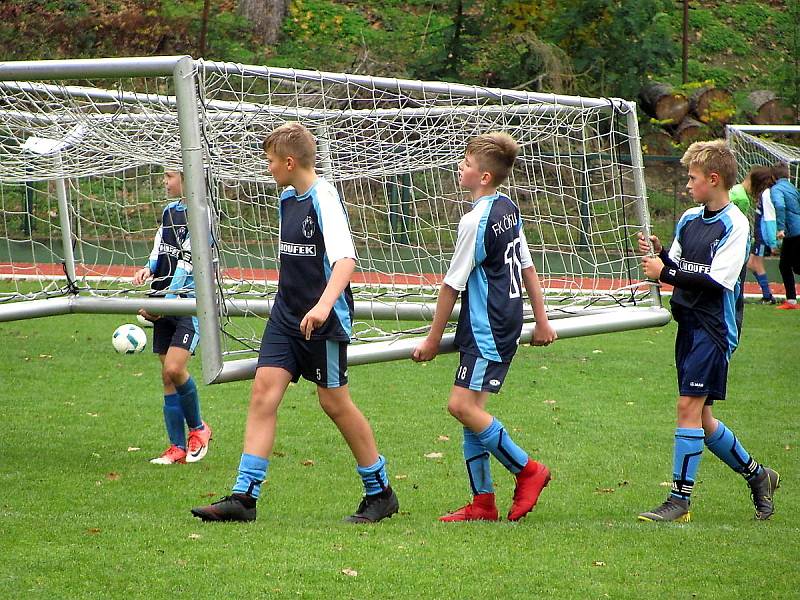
[[514, 269]]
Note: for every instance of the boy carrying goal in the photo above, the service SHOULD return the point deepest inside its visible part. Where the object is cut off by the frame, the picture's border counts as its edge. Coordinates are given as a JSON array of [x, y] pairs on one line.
[[706, 267], [490, 263], [307, 333]]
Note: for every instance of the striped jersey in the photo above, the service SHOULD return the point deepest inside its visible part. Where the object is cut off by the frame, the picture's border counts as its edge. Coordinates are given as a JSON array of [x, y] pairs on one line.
[[718, 247], [170, 260], [314, 234], [486, 268]]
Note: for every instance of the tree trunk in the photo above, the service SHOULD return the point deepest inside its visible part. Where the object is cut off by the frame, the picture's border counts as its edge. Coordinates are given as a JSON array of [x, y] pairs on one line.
[[712, 105], [266, 17], [690, 130], [767, 109], [657, 143], [662, 102]]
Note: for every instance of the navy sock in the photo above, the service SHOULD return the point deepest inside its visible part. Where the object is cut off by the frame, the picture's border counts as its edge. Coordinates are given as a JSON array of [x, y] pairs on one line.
[[374, 477], [252, 473], [496, 440], [763, 283], [478, 468], [686, 459], [190, 402], [173, 420], [725, 445]]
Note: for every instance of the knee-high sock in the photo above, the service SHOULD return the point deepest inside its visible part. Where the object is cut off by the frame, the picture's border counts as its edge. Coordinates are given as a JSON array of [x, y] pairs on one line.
[[476, 457], [252, 473], [686, 459], [374, 477], [726, 446], [173, 420], [496, 440], [763, 283], [190, 402]]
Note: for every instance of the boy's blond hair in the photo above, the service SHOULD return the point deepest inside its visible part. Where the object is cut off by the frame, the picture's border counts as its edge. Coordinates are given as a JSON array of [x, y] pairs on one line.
[[712, 157], [295, 140], [495, 153]]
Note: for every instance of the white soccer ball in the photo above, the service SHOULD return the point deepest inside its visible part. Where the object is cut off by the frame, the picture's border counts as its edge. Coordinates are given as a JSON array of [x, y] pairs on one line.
[[129, 339]]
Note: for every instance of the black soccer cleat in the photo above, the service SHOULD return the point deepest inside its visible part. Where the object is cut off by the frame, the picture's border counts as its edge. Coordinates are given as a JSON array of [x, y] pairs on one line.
[[375, 507], [762, 489], [236, 507], [673, 509]]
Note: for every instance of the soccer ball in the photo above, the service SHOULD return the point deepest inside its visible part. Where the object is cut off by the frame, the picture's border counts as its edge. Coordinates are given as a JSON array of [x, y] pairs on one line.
[[129, 339]]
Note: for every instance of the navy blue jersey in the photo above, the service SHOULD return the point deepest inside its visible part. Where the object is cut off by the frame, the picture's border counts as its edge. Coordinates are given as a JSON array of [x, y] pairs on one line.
[[314, 234], [170, 261], [486, 268], [717, 246]]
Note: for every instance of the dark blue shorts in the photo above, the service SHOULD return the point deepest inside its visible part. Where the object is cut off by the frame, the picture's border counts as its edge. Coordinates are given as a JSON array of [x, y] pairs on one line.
[[480, 374], [180, 332], [323, 362], [702, 365], [759, 248]]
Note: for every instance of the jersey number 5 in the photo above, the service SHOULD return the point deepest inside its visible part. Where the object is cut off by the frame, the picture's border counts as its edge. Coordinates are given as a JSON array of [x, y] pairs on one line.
[[514, 269]]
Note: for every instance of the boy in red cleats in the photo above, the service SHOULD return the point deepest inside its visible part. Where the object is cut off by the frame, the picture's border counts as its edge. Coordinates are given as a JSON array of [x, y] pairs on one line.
[[490, 264]]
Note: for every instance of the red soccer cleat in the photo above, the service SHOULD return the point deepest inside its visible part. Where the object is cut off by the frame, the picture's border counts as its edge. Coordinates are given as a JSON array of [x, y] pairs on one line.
[[171, 456], [530, 483], [788, 306], [198, 443], [482, 508]]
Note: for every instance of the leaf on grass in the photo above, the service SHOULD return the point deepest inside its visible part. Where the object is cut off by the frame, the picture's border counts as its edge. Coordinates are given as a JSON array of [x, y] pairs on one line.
[[93, 530], [604, 490], [623, 482], [95, 455], [194, 536], [138, 374], [443, 438], [597, 351], [543, 368], [308, 463], [548, 402], [93, 414], [278, 454], [433, 455], [45, 356], [208, 495], [350, 572], [113, 476], [629, 403], [133, 449], [665, 484], [401, 476], [787, 447], [598, 563]]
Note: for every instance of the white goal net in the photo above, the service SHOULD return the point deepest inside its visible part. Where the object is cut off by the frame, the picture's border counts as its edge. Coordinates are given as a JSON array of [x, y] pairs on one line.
[[83, 150], [765, 145]]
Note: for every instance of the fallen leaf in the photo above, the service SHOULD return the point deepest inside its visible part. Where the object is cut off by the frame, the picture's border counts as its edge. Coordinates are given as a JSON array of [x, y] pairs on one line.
[[401, 476], [308, 463], [350, 572], [45, 356], [629, 403], [194, 536], [279, 454], [787, 447], [665, 484], [548, 402], [92, 414], [598, 563], [133, 449], [95, 455], [597, 351], [443, 438], [604, 490], [433, 455], [543, 368], [93, 530], [208, 495], [113, 476], [622, 483], [138, 374]]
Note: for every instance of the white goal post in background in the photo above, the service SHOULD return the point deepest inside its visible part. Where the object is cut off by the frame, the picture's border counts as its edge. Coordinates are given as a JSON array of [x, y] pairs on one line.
[[755, 145], [84, 144]]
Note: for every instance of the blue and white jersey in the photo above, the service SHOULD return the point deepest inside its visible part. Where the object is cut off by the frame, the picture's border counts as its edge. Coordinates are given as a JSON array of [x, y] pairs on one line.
[[486, 268], [764, 224], [718, 247], [170, 260], [314, 234]]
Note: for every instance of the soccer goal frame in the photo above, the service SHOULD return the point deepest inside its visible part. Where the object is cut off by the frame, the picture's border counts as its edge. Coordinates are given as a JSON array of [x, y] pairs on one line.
[[616, 164], [752, 150]]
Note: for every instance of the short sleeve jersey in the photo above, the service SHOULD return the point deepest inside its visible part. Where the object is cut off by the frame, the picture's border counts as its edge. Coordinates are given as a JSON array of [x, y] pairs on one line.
[[314, 234], [486, 268], [717, 246], [170, 261]]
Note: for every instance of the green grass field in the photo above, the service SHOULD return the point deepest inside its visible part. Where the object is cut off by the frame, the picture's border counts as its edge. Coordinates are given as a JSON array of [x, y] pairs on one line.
[[83, 514]]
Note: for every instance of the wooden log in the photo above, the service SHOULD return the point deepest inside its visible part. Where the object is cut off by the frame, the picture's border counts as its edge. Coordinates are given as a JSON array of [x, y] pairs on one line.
[[712, 105], [764, 108], [662, 102], [657, 143], [690, 130]]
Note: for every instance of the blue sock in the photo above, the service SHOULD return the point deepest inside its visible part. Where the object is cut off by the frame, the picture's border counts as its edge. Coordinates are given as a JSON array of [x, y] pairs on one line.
[[374, 477], [686, 459], [190, 402], [478, 468], [252, 473], [763, 283], [173, 420], [724, 444], [497, 441]]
